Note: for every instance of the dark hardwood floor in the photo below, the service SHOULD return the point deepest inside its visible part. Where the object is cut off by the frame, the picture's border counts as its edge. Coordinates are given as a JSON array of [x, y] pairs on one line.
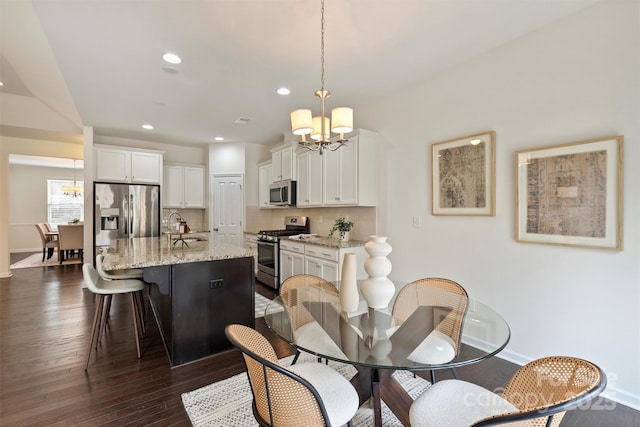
[[45, 319]]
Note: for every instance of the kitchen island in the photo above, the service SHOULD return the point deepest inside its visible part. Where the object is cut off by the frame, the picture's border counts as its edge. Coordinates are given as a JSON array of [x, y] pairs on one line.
[[194, 290]]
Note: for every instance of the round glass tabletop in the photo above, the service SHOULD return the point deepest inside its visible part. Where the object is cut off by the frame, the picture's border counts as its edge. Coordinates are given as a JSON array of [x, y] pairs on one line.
[[422, 328]]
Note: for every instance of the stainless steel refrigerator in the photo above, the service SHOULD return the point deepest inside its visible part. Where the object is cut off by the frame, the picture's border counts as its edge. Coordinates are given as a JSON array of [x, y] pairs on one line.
[[124, 211]]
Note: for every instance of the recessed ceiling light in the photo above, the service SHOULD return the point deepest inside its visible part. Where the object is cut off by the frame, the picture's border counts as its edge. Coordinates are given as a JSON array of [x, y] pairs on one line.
[[283, 91], [475, 141], [219, 138], [1, 84], [147, 127], [171, 58]]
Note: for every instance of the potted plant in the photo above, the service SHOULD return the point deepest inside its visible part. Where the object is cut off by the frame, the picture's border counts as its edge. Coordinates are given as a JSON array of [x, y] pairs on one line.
[[342, 225]]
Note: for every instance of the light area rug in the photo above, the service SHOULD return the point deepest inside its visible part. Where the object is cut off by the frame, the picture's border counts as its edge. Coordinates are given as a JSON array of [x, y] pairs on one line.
[[261, 304], [35, 260], [227, 403]]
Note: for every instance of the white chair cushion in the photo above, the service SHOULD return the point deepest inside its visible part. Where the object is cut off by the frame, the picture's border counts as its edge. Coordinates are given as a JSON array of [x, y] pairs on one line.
[[338, 395], [454, 403], [312, 336], [437, 348]]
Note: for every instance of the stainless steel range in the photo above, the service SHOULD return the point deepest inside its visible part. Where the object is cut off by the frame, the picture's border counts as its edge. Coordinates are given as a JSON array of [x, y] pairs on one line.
[[269, 248]]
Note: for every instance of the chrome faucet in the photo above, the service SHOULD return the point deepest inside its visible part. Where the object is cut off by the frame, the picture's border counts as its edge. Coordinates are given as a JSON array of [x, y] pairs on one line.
[[169, 219]]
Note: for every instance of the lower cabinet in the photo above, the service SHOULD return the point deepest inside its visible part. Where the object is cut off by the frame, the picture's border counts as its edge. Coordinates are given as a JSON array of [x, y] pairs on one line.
[[318, 267], [251, 243], [291, 259], [322, 261]]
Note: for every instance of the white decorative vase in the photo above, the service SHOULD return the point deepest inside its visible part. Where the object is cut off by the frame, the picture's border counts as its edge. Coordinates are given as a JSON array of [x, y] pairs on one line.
[[377, 289], [349, 297], [345, 237]]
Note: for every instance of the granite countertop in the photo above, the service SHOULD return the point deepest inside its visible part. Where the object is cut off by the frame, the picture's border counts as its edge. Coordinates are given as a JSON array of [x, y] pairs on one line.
[[330, 243], [154, 251]]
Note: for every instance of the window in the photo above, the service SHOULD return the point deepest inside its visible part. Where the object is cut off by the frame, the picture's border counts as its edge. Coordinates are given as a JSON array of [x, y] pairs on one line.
[[63, 208]]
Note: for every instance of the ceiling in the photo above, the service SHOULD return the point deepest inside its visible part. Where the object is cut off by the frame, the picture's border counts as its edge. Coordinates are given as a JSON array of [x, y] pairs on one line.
[[67, 63]]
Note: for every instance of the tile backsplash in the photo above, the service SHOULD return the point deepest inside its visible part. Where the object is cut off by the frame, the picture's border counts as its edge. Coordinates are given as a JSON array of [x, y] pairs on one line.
[[196, 218], [321, 219]]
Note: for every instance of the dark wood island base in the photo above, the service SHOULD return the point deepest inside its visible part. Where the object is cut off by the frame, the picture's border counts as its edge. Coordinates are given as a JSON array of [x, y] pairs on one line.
[[193, 303]]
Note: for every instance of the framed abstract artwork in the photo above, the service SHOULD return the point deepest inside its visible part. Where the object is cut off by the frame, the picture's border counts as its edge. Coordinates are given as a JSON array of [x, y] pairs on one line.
[[463, 180], [571, 194]]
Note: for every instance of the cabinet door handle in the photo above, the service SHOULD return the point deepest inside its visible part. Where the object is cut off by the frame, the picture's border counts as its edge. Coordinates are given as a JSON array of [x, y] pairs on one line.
[[326, 254]]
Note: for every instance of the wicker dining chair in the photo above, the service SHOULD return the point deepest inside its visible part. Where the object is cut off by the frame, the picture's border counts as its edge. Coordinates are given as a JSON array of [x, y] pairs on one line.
[[309, 394], [538, 395], [294, 291], [443, 343]]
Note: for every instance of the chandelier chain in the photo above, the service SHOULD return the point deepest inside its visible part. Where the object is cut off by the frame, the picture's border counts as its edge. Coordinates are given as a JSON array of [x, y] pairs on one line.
[[322, 45]]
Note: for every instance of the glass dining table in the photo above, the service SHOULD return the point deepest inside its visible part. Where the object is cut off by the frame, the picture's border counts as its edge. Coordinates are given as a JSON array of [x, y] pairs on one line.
[[377, 342]]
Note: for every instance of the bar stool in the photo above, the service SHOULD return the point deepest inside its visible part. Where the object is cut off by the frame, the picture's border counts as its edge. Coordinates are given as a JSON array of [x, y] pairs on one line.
[[105, 289], [132, 273]]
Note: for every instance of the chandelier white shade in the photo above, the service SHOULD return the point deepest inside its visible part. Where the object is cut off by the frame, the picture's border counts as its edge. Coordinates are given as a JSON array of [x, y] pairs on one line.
[[320, 127], [301, 122]]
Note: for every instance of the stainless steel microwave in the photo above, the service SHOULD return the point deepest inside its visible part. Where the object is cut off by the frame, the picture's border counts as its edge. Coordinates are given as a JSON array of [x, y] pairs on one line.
[[283, 193]]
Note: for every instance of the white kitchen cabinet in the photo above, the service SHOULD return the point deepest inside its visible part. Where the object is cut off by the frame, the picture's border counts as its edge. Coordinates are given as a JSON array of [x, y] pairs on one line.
[[291, 259], [309, 180], [126, 165], [326, 262], [183, 186], [264, 179], [251, 243], [283, 164], [341, 175], [319, 267]]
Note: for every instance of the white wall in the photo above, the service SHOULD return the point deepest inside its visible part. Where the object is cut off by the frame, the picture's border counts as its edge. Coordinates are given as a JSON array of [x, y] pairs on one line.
[[576, 79], [29, 208], [10, 145], [226, 159]]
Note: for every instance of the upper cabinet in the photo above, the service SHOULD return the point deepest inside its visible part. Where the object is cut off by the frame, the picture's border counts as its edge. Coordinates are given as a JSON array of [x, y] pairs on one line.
[[309, 179], [183, 186], [347, 176], [127, 165], [264, 180], [283, 160]]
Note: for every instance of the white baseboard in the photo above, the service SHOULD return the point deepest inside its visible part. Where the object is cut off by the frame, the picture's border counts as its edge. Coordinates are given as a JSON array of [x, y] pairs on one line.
[[612, 393], [19, 251]]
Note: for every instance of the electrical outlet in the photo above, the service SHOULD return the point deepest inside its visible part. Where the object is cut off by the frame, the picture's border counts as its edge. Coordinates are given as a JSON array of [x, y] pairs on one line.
[[320, 219], [216, 283], [417, 221]]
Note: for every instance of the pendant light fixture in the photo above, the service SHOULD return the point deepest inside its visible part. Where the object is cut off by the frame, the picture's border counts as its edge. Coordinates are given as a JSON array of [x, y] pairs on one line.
[[76, 190], [341, 122]]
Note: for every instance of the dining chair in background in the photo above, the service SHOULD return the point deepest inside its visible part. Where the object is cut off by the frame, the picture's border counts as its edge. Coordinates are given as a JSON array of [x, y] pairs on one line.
[[71, 239], [48, 242], [104, 290], [538, 395], [295, 291], [310, 394], [443, 343]]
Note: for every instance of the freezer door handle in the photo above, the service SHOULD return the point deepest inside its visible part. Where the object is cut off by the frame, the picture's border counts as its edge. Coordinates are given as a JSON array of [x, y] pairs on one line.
[[131, 210], [125, 208]]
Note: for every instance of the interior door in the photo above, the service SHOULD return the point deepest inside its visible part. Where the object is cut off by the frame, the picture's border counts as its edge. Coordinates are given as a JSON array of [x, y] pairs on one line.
[[227, 208]]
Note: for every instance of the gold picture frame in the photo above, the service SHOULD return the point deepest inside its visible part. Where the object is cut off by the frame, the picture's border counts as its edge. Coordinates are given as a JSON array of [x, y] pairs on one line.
[[571, 194], [463, 178]]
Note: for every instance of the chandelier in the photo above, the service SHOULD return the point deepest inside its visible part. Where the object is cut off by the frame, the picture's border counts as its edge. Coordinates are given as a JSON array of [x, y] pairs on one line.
[[76, 190], [341, 122]]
